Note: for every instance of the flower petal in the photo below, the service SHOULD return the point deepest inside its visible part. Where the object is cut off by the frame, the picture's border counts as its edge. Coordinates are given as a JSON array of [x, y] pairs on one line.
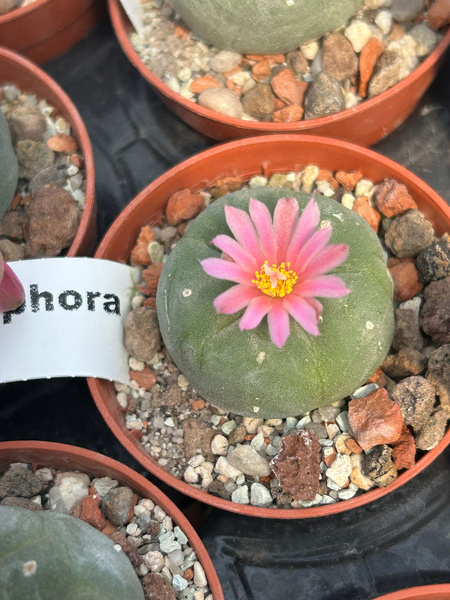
[[12, 294], [329, 258], [311, 248], [257, 309], [242, 228], [262, 220], [224, 269], [233, 249], [278, 320], [302, 312], [236, 298], [306, 225], [285, 219], [326, 286], [316, 305]]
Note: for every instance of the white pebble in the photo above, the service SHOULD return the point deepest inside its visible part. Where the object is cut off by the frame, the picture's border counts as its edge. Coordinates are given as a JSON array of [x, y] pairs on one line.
[[364, 187], [136, 365], [219, 445], [358, 34], [310, 50], [348, 200], [383, 21], [148, 504], [240, 496], [199, 575], [190, 476], [225, 468], [122, 399], [257, 181]]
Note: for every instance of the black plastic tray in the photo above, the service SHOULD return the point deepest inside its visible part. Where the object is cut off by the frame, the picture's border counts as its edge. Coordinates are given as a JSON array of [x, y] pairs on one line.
[[399, 541]]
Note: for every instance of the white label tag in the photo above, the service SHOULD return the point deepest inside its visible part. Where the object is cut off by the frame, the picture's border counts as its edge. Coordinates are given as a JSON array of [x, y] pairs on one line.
[[72, 321], [135, 13]]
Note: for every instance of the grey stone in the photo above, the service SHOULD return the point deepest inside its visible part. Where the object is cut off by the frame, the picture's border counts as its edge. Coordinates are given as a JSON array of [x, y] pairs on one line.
[[19, 480], [409, 234], [406, 10], [142, 335], [259, 102], [260, 495], [433, 263], [225, 61], [438, 374], [435, 317], [240, 495], [416, 397], [117, 505], [247, 460], [324, 97], [433, 430], [104, 485], [407, 331]]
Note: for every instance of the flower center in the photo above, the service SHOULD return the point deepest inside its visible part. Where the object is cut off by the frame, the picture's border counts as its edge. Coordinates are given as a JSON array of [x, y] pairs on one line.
[[275, 281]]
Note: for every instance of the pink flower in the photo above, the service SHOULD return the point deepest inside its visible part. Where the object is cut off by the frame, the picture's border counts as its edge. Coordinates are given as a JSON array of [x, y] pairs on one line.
[[279, 267], [12, 294]]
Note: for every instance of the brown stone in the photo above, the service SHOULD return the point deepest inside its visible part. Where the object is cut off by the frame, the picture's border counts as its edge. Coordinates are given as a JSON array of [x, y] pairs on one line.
[[151, 276], [379, 466], [375, 419], [397, 32], [406, 281], [197, 439], [63, 143], [11, 251], [157, 588], [409, 234], [439, 14], [297, 465], [348, 179], [12, 226], [370, 214], [404, 450], [392, 198], [438, 373], [433, 431], [109, 528], [139, 254], [150, 302], [407, 332], [338, 57], [289, 114], [367, 61], [7, 6], [223, 186], [26, 123], [21, 503], [51, 221], [145, 378], [131, 551], [415, 396], [287, 88], [435, 317], [404, 364], [259, 102], [88, 510], [297, 62], [183, 205]]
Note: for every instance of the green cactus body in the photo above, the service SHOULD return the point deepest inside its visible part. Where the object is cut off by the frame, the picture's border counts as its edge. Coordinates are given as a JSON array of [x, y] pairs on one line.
[[243, 371], [50, 556], [9, 170], [263, 26]]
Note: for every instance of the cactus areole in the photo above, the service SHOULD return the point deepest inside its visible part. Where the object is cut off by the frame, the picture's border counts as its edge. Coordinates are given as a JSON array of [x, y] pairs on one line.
[[9, 171], [47, 555], [263, 26], [298, 315]]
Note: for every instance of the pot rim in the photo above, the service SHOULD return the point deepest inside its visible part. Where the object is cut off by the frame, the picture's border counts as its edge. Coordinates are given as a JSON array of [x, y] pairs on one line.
[[116, 14], [426, 592], [17, 13], [86, 226], [131, 477], [96, 385]]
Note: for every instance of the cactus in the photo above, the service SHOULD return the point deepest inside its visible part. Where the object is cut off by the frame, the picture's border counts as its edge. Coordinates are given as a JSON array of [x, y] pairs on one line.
[[8, 167], [263, 26], [46, 555], [260, 370]]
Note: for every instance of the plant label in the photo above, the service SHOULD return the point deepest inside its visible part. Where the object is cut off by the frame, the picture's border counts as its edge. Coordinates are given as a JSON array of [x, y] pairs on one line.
[[72, 320], [135, 13]]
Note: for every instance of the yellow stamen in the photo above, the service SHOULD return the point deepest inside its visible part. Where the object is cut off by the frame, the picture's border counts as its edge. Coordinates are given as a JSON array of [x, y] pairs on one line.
[[275, 281]]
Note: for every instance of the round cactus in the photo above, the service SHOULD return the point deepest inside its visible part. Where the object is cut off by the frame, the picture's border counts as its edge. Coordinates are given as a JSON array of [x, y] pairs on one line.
[[263, 26], [245, 372], [46, 555], [8, 167]]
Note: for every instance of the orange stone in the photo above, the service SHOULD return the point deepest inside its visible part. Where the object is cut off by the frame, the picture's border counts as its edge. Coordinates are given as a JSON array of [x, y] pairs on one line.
[[181, 32], [77, 161], [198, 404], [232, 86], [439, 14], [146, 378], [392, 198], [63, 143], [404, 452], [406, 281], [367, 60], [16, 201], [378, 377], [226, 185], [91, 512], [375, 419], [151, 276], [329, 460], [288, 114], [203, 83], [370, 214], [188, 575], [287, 88], [262, 70], [353, 446], [183, 205], [348, 180], [139, 254], [150, 302]]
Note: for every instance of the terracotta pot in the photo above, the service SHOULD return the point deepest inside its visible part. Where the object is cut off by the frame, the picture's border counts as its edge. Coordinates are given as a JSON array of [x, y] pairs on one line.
[[426, 592], [63, 456], [270, 154], [18, 70], [366, 124], [47, 28]]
